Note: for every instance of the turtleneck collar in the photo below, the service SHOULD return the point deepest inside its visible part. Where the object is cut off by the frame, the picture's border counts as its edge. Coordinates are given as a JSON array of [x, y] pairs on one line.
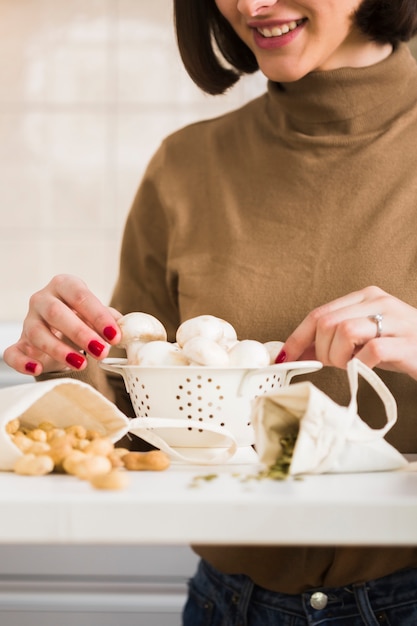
[[346, 100]]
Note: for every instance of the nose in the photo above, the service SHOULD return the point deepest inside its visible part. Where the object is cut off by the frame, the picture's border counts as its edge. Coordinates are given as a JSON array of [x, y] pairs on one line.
[[254, 7]]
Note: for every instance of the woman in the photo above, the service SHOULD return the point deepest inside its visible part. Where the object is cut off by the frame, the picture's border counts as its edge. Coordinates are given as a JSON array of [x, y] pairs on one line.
[[268, 217]]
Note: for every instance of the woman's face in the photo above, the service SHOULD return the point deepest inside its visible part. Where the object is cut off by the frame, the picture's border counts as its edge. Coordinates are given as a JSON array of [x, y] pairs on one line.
[[291, 38]]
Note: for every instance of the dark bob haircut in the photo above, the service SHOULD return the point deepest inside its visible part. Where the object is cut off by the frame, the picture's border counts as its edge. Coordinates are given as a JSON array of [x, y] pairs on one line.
[[215, 57]]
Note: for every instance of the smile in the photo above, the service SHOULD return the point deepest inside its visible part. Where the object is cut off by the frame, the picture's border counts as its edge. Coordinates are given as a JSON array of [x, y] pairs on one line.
[[278, 31]]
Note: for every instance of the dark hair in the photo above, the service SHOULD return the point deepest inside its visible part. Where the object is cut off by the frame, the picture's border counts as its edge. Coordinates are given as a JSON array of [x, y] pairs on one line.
[[215, 57]]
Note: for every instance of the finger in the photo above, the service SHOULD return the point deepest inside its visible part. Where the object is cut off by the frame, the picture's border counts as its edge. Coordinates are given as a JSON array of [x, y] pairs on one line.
[[26, 359], [398, 354], [321, 323], [348, 338], [74, 293], [303, 337]]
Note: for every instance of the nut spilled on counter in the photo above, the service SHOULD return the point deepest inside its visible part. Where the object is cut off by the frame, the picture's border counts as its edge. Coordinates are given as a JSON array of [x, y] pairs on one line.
[[80, 452]]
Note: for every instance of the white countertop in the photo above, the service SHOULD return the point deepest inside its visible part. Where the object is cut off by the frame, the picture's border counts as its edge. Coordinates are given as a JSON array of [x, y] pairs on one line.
[[164, 508]]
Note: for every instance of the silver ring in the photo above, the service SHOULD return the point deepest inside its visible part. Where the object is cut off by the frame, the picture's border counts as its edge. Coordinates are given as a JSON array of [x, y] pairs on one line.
[[378, 321]]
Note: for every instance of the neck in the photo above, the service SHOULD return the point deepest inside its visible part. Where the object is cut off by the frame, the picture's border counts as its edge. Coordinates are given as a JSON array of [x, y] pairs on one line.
[[357, 53]]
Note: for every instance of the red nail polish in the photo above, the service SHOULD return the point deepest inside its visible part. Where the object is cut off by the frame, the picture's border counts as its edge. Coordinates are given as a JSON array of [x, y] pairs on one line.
[[75, 359], [282, 356], [95, 347], [30, 367], [110, 332]]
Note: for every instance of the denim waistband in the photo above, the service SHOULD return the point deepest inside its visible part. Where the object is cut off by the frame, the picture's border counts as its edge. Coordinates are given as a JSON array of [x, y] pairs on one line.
[[388, 591]]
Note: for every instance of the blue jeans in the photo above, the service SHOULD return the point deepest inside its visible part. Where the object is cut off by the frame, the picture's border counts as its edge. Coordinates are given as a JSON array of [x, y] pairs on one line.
[[217, 599]]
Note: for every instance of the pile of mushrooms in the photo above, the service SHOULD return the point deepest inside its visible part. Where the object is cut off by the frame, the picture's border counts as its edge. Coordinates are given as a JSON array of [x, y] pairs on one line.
[[204, 340]]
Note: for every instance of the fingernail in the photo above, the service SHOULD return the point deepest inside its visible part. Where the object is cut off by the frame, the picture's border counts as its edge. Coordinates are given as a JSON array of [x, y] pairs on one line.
[[30, 367], [75, 360], [95, 347], [110, 332], [282, 356]]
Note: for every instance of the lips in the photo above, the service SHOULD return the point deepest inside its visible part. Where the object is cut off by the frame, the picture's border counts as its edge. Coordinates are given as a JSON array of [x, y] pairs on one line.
[[276, 35], [278, 31]]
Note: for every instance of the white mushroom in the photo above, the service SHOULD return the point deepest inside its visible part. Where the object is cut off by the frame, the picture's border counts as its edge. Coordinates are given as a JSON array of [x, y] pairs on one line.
[[132, 352], [137, 329], [207, 326], [160, 353], [249, 353], [274, 348], [203, 351]]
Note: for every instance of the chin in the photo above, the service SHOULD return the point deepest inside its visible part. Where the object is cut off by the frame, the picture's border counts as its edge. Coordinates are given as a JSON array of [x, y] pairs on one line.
[[285, 77], [287, 72]]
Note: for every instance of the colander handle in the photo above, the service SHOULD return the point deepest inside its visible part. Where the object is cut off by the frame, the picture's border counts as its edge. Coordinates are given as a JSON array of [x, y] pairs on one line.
[[290, 369], [145, 427], [297, 368]]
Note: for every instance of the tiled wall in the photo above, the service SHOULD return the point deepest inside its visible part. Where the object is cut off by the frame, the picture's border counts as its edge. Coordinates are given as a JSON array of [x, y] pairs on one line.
[[88, 88]]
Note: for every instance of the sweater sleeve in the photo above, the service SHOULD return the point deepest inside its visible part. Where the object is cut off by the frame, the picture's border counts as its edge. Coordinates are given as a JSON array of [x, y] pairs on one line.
[[144, 283]]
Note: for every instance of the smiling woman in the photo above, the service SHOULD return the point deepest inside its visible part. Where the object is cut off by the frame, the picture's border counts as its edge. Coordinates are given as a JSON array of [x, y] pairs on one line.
[[233, 31], [294, 218]]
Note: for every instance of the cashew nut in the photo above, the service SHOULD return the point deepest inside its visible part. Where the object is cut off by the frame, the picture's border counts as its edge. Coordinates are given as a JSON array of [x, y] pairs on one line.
[[154, 460]]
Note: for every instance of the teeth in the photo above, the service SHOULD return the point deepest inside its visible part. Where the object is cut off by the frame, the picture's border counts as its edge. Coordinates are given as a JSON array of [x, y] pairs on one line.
[[278, 31]]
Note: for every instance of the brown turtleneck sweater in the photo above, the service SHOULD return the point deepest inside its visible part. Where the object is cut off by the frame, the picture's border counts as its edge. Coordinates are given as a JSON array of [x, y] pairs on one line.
[[301, 196]]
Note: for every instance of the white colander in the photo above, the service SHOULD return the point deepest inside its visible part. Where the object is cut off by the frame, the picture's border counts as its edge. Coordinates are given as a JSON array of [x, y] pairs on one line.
[[201, 414]]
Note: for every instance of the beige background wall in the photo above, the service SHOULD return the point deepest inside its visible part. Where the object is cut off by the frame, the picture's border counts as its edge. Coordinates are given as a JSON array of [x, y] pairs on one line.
[[87, 90]]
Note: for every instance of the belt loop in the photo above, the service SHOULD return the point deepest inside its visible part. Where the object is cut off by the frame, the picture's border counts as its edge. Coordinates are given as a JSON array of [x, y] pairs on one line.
[[243, 602], [364, 606]]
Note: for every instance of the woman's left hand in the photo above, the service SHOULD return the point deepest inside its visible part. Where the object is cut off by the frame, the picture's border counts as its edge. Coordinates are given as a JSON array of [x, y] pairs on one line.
[[346, 328]]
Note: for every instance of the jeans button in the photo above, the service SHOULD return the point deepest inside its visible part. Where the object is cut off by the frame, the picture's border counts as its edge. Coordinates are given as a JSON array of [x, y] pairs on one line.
[[319, 600]]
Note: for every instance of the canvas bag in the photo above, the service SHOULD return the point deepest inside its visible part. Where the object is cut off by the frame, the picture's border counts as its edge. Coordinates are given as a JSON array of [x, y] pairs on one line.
[[62, 402], [66, 401], [331, 438]]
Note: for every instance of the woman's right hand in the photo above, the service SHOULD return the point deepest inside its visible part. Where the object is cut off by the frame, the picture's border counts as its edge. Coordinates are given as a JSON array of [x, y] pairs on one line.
[[64, 320]]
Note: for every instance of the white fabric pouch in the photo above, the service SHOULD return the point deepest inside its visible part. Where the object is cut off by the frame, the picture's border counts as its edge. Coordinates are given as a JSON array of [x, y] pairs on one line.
[[62, 402], [329, 438], [66, 401]]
